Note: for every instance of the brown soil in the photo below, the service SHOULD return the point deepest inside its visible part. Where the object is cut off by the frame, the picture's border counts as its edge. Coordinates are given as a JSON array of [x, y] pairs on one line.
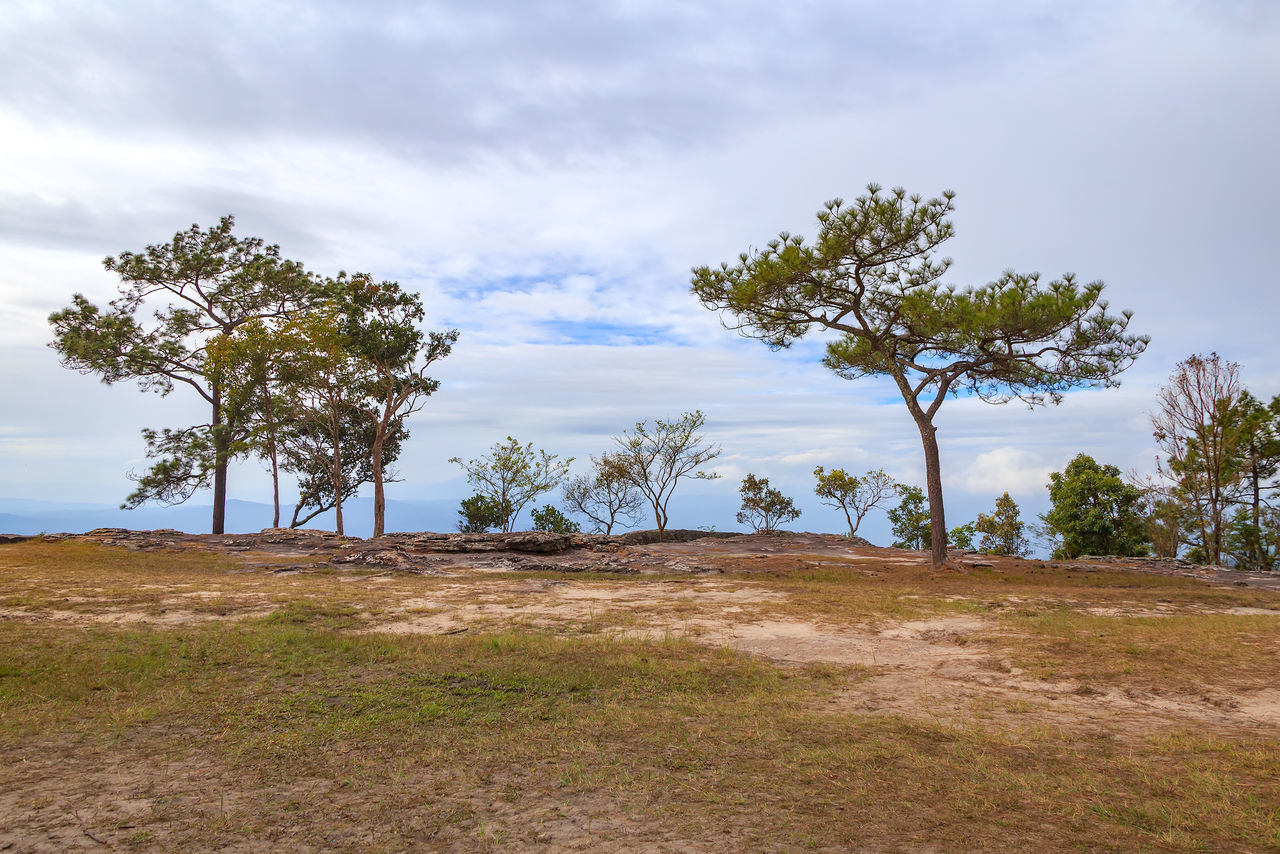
[[953, 668], [921, 667]]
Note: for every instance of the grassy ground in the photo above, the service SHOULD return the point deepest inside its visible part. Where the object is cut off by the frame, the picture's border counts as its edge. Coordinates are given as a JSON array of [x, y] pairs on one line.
[[270, 717]]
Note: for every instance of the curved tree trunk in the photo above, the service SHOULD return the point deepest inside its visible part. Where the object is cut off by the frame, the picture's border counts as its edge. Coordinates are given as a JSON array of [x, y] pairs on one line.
[[933, 478]]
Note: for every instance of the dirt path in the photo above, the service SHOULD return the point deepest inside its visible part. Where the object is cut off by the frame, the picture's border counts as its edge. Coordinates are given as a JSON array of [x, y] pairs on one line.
[[908, 644]]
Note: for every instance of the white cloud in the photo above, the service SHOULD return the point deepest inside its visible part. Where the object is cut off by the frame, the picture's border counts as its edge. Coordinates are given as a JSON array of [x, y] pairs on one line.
[[536, 172], [1006, 469]]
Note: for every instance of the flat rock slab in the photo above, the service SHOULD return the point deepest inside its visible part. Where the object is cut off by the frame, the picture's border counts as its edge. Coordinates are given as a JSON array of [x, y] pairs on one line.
[[421, 552], [635, 551]]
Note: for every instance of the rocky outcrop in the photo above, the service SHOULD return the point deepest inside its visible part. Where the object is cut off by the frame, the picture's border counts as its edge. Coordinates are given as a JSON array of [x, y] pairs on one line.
[[419, 552], [1177, 566], [671, 535], [533, 542]]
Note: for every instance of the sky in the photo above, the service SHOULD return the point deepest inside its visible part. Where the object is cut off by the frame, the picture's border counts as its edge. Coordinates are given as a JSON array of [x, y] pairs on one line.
[[546, 174]]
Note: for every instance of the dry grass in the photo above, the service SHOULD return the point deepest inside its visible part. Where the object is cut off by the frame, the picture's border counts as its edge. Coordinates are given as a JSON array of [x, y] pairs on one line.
[[274, 719], [1180, 652]]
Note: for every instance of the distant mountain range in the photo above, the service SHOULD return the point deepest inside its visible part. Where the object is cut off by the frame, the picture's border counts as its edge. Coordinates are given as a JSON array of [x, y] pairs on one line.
[[28, 517], [19, 516]]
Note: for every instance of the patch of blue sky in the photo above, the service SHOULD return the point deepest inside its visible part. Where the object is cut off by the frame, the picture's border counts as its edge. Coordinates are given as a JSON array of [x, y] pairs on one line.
[[480, 286], [603, 333]]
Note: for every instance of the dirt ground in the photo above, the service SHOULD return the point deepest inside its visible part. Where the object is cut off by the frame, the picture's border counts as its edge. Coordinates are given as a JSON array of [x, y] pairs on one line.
[[949, 654]]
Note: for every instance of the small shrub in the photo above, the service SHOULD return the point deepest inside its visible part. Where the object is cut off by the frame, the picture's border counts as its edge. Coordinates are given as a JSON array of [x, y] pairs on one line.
[[551, 519], [763, 507], [479, 514]]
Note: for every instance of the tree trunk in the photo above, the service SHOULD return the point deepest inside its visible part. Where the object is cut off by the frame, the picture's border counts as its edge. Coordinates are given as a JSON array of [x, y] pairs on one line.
[[379, 496], [1257, 558], [275, 464], [1202, 519], [337, 485], [220, 460], [933, 478], [1215, 531], [853, 529], [275, 489]]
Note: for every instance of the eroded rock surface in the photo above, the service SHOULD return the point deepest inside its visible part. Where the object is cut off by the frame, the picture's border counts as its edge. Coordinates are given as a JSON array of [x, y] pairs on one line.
[[635, 551], [429, 552]]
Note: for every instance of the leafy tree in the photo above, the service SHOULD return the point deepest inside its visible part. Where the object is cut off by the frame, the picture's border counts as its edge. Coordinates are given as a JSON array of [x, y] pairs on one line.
[[604, 495], [1002, 531], [511, 475], [655, 460], [1257, 447], [548, 518], [250, 364], [961, 536], [854, 495], [306, 449], [1194, 426], [200, 286], [325, 391], [1094, 512], [763, 507], [381, 324], [1165, 522], [479, 514], [872, 276], [910, 520], [1255, 546]]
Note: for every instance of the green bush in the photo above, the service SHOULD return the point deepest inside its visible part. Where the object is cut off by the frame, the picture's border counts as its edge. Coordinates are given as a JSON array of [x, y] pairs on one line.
[[551, 519], [479, 514]]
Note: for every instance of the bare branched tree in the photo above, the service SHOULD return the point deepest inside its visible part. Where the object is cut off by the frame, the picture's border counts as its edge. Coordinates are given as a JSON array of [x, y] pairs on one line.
[[1192, 426]]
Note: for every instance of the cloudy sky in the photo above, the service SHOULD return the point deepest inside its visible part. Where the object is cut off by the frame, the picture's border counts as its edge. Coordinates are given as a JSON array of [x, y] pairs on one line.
[[545, 174]]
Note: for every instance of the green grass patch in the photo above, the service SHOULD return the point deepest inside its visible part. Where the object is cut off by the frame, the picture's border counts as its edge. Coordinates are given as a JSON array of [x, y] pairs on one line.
[[303, 730], [693, 738]]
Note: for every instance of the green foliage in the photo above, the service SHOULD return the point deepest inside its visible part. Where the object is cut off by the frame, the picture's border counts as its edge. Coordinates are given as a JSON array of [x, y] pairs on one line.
[[265, 345], [324, 395], [249, 365], [763, 507], [1254, 529], [1002, 531], [1254, 546], [854, 495], [910, 520], [961, 536], [872, 276], [479, 514], [307, 451], [1221, 451], [511, 475], [1094, 512], [548, 518], [1193, 426], [380, 324], [185, 461], [604, 495], [1165, 521], [654, 460], [201, 286]]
